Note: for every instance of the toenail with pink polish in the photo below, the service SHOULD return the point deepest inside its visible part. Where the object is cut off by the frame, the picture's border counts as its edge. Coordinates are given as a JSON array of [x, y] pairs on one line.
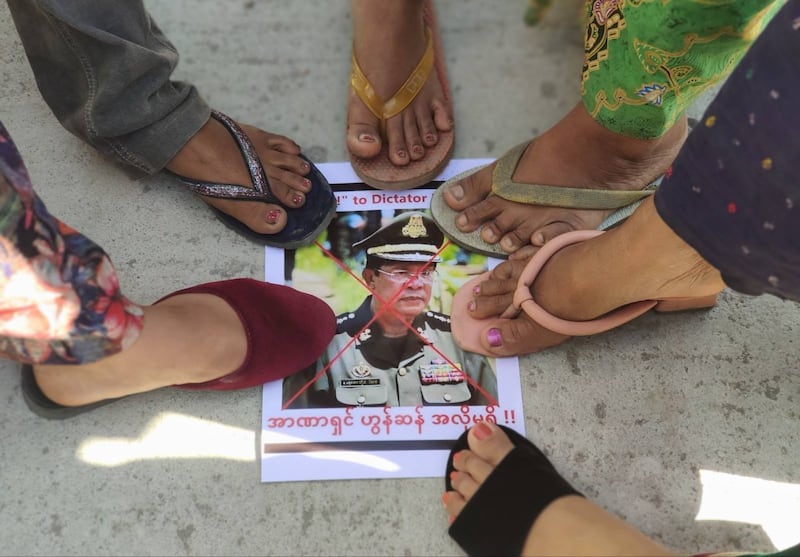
[[471, 306], [481, 431], [494, 337], [402, 154], [476, 290], [297, 199], [366, 138], [272, 216]]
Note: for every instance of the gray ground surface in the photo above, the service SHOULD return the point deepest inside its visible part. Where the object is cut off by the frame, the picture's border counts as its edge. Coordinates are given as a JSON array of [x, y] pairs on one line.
[[632, 417]]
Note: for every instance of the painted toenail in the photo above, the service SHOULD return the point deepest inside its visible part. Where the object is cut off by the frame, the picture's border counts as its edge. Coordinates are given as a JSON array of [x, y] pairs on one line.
[[494, 337], [476, 291], [471, 306], [461, 220], [297, 199], [482, 432], [272, 216], [401, 153], [367, 138], [430, 138], [457, 192], [307, 182], [418, 150]]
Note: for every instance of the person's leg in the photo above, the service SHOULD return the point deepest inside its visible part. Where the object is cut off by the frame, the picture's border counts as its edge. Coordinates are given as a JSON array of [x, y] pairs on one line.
[[388, 42], [104, 69], [61, 309], [725, 214], [567, 525], [637, 82]]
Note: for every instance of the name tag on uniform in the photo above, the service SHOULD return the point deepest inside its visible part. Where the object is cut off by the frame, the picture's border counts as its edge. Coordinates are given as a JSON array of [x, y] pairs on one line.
[[439, 372], [359, 382]]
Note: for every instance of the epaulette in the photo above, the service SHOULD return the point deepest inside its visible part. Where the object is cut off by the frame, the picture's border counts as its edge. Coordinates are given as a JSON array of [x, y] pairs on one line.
[[347, 323], [438, 321]]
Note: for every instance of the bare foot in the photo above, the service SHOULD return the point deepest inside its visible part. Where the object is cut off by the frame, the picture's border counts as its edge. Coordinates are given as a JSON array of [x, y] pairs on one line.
[[576, 152], [569, 525], [152, 362], [642, 259], [388, 42], [212, 155]]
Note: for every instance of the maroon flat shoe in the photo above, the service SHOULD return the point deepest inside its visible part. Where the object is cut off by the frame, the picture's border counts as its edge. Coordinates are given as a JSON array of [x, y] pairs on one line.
[[287, 330]]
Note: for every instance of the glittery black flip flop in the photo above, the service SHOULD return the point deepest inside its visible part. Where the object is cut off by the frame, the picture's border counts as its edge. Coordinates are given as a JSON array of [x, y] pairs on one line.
[[303, 224]]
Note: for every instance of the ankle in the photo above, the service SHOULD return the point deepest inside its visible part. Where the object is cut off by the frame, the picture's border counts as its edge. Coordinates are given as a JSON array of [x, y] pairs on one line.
[[607, 159]]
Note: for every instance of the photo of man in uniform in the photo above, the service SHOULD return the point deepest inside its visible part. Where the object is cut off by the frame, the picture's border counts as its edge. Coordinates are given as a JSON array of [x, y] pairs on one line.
[[392, 350]]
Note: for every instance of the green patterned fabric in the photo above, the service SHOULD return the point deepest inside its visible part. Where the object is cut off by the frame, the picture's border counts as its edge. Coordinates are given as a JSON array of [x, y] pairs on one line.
[[646, 61]]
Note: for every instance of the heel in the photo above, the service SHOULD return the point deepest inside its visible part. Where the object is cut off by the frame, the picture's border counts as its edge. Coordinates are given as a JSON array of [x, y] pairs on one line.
[[682, 304]]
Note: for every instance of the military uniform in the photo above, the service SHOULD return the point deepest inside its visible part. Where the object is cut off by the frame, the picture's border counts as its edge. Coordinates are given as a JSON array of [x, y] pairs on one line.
[[378, 370]]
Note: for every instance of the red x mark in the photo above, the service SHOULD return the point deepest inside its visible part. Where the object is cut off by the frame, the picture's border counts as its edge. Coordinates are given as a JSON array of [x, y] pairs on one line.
[[388, 305]]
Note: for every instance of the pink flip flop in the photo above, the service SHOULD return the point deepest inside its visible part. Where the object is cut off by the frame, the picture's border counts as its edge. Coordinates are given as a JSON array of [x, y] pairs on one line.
[[469, 331]]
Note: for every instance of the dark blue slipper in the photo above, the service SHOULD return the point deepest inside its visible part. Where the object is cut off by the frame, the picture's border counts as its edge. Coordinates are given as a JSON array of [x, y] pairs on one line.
[[303, 224]]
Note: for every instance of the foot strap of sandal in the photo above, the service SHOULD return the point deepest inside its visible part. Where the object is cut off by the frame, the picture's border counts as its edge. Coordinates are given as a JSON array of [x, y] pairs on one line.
[[403, 96], [497, 519]]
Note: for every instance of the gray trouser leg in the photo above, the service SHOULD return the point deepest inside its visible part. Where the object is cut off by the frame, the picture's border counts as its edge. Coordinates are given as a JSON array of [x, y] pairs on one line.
[[104, 69]]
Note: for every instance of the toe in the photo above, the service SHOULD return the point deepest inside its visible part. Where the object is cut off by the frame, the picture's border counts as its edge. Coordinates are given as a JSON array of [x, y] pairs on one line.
[[427, 128], [363, 140], [363, 136], [545, 233], [489, 443], [396, 140], [442, 115], [413, 140], [519, 336], [454, 502], [478, 214], [262, 218], [469, 190], [492, 297], [466, 482]]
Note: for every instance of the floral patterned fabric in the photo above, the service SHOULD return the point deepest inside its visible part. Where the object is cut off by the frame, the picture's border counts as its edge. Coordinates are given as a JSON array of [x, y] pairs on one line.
[[646, 61], [60, 301]]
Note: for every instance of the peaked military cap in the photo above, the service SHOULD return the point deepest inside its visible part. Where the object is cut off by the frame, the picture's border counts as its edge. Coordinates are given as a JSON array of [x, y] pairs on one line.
[[410, 237]]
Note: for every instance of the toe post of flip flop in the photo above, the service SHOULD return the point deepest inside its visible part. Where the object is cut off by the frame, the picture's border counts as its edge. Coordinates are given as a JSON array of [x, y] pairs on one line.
[[303, 224], [286, 331]]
